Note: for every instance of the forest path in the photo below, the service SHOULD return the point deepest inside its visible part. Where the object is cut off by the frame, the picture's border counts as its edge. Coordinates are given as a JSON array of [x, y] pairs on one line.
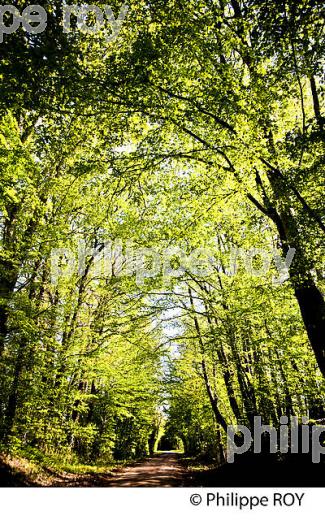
[[162, 470]]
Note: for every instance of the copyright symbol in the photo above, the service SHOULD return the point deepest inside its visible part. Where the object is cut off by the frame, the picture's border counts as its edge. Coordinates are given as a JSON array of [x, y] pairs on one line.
[[196, 500]]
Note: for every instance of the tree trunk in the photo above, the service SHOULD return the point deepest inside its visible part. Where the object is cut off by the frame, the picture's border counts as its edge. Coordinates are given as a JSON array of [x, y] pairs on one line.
[[312, 308], [310, 299], [8, 279], [13, 396]]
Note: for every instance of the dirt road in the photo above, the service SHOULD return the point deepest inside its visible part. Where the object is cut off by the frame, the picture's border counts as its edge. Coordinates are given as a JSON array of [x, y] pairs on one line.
[[163, 470]]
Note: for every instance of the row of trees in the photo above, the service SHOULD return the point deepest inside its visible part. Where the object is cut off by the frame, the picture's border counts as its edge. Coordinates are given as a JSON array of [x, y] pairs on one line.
[[242, 352], [80, 357]]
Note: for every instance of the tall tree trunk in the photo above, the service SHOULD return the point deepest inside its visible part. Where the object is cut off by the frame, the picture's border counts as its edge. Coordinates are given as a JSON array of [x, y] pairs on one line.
[[318, 115], [212, 398], [310, 299], [12, 404], [8, 279]]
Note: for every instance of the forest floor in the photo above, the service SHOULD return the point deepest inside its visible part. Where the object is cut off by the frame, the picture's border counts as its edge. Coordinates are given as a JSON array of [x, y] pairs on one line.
[[167, 470]]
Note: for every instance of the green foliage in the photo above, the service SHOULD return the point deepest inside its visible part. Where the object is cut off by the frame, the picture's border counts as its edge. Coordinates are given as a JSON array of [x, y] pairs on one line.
[[201, 126]]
